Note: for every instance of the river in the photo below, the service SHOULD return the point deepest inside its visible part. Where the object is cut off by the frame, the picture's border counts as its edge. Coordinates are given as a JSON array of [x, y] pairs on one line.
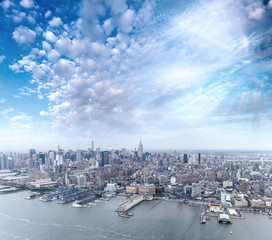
[[33, 219]]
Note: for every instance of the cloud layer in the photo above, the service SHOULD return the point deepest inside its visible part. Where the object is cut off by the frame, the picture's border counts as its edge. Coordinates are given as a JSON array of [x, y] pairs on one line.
[[136, 68]]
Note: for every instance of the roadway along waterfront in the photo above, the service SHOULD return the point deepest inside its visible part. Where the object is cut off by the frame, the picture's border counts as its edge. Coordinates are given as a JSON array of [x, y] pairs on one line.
[[33, 219]]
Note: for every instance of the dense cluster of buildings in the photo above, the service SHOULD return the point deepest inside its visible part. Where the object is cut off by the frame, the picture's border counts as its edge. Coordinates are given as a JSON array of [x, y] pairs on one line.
[[240, 180]]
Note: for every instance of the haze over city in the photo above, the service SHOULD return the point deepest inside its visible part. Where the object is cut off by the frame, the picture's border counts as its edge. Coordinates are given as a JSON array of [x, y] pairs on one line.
[[176, 74]]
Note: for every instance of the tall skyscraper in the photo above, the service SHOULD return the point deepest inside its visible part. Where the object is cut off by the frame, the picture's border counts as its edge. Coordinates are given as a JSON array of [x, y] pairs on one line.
[[78, 155], [42, 157], [4, 164], [32, 152], [105, 158], [59, 159], [92, 145], [140, 150], [199, 158], [185, 158]]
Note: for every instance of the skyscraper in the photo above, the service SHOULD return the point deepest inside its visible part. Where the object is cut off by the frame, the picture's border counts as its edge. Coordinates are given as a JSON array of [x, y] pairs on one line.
[[92, 145], [42, 157], [4, 164], [59, 159], [140, 150], [32, 152], [199, 158], [78, 155], [185, 158], [105, 158]]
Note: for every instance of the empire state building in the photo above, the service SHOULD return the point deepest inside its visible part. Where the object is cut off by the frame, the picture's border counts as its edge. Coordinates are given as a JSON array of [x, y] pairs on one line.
[[140, 150]]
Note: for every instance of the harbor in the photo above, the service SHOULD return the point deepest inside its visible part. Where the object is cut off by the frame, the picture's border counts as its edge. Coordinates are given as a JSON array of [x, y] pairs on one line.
[[66, 195], [130, 203]]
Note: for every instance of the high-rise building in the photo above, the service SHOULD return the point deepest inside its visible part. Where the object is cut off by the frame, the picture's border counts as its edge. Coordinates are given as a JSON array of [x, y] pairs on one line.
[[78, 155], [4, 164], [199, 158], [140, 150], [59, 160], [185, 158], [92, 145], [105, 158], [42, 157], [32, 152]]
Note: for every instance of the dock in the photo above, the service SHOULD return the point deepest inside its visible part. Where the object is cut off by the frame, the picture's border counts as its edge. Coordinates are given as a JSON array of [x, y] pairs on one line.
[[223, 218], [130, 203]]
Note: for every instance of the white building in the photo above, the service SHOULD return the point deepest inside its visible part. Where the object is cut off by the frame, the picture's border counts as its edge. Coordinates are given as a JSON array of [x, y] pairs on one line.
[[111, 187]]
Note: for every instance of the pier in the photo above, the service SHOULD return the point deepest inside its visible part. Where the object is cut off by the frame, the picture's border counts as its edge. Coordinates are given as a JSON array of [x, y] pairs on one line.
[[130, 203]]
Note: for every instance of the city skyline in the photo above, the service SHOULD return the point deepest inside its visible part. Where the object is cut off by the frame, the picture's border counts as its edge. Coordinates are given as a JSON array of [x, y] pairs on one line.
[[175, 74]]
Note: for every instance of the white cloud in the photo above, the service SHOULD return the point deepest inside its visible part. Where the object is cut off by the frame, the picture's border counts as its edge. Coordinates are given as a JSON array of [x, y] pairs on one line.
[[6, 4], [24, 35], [18, 16], [27, 3], [22, 117], [257, 13], [44, 113], [107, 25], [2, 100], [55, 22], [6, 111], [46, 46], [48, 14], [127, 20], [53, 55], [2, 57], [146, 70], [270, 3], [49, 36]]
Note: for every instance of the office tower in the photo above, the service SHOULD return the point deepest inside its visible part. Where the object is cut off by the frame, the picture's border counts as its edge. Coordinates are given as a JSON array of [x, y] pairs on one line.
[[59, 159], [78, 155], [51, 157], [81, 180], [42, 157], [105, 158], [4, 162], [199, 158], [140, 150], [32, 152], [92, 145], [185, 158], [123, 152]]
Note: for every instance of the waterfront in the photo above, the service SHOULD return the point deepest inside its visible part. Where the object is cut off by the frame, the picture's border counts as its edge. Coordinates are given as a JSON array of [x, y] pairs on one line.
[[33, 219]]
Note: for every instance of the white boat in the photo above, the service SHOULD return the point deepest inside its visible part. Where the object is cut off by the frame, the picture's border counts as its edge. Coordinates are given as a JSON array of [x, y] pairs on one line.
[[75, 204], [91, 204]]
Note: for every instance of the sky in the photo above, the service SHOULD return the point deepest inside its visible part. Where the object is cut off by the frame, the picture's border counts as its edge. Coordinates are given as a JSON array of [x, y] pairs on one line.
[[176, 74]]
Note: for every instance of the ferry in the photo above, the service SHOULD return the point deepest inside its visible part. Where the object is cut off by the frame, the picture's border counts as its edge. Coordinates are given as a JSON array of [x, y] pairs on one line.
[[269, 215], [123, 215], [202, 219], [32, 196], [129, 214], [76, 205]]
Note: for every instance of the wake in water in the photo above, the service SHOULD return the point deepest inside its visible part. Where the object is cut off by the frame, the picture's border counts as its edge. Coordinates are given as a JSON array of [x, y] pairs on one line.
[[153, 206], [97, 233]]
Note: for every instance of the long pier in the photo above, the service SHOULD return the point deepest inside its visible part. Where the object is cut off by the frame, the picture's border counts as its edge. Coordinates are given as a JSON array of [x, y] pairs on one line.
[[130, 203]]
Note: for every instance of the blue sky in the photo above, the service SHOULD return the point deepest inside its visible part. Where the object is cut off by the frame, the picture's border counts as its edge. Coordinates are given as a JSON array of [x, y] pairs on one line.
[[177, 74]]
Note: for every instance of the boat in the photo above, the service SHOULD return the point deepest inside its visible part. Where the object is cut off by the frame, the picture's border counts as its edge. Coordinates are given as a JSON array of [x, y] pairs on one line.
[[129, 214], [32, 196], [91, 204], [230, 232], [45, 199], [123, 215], [202, 219], [75, 204]]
